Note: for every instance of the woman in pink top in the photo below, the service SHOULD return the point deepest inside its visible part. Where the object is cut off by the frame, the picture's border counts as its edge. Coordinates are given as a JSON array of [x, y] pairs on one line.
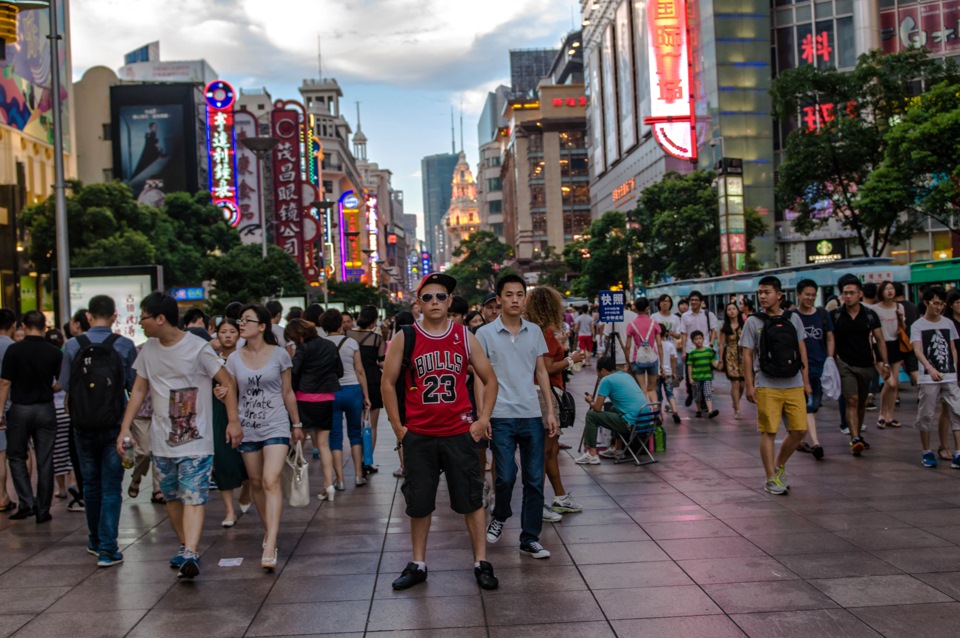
[[643, 344]]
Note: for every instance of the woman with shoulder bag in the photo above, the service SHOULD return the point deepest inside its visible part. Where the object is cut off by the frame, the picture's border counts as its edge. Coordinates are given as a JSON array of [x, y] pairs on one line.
[[544, 307], [373, 350]]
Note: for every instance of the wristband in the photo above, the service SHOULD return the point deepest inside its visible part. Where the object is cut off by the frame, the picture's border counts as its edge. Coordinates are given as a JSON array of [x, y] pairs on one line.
[[569, 363], [297, 425]]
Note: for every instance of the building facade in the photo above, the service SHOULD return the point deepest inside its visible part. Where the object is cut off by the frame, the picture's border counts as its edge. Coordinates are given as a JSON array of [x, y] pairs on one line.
[[436, 175], [463, 217]]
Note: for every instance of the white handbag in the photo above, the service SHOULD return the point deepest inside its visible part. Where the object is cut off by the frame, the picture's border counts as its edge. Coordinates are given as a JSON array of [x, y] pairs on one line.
[[295, 479]]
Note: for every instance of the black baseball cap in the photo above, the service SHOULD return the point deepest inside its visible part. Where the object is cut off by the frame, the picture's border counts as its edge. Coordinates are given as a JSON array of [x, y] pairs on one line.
[[490, 296], [446, 281]]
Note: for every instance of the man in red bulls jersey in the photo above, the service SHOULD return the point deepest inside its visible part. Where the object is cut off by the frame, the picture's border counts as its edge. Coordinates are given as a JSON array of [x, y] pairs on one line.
[[437, 430]]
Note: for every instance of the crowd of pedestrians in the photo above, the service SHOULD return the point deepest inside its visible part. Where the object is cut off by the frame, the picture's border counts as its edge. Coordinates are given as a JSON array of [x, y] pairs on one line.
[[219, 405]]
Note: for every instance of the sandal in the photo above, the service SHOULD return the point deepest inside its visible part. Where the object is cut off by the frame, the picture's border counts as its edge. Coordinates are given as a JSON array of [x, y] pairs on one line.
[[944, 454], [881, 424], [134, 490], [158, 499], [894, 423]]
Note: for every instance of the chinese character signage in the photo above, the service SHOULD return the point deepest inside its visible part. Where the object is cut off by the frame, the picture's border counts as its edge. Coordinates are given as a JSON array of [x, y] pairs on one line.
[[248, 180], [285, 125], [611, 305], [351, 257], [221, 148], [672, 116], [934, 26], [733, 238], [373, 238]]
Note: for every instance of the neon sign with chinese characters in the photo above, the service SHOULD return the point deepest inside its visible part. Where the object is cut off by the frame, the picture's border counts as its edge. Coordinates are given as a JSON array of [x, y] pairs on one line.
[[372, 238], [816, 46], [222, 149], [569, 101], [672, 116]]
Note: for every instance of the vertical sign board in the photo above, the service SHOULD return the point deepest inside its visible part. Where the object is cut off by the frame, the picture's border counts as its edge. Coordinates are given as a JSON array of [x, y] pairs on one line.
[[351, 258], [288, 183], [426, 265], [248, 180], [373, 238], [611, 305], [733, 238], [222, 149], [672, 115]]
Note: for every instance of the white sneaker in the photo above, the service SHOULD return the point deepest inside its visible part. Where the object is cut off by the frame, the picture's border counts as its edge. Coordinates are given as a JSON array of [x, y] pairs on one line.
[[587, 459], [611, 453], [550, 516], [534, 549], [566, 504]]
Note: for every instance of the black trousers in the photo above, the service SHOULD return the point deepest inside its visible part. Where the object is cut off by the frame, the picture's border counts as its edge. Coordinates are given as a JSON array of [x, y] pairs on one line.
[[37, 421]]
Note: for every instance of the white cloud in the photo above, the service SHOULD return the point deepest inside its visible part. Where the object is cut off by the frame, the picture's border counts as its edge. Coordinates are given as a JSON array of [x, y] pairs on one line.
[[429, 43]]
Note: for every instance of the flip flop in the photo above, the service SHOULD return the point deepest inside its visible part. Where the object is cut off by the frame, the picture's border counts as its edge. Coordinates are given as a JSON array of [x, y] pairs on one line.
[[158, 499], [881, 424], [894, 423], [944, 454]]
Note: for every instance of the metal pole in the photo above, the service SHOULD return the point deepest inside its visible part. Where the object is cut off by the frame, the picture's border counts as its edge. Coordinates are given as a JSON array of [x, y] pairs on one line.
[[59, 186]]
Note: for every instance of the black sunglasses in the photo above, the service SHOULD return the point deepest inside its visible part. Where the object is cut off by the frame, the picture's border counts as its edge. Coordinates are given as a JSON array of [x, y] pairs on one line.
[[428, 297]]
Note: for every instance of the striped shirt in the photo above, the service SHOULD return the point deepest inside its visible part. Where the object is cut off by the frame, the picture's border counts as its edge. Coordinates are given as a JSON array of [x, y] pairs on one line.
[[701, 364]]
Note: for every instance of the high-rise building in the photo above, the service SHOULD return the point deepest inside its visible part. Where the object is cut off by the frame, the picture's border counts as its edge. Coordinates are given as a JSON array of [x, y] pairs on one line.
[[489, 190], [528, 66], [436, 175]]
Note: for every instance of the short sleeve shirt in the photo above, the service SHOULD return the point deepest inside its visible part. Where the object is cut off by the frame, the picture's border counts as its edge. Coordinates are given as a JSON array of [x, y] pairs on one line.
[[556, 352], [852, 335], [180, 378], [263, 414], [751, 339], [704, 321], [584, 324], [816, 326], [346, 358], [935, 338], [643, 328], [624, 393], [514, 360]]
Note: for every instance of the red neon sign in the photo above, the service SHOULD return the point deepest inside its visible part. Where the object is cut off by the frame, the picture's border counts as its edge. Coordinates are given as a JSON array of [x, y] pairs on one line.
[[570, 101], [812, 47], [672, 114]]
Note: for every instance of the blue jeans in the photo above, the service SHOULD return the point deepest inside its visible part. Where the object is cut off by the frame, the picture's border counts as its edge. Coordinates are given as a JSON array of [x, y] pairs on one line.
[[102, 485], [529, 436], [347, 401]]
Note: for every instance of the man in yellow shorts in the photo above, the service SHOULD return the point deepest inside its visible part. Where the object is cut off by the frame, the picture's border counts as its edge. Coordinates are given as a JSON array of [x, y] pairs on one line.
[[777, 381]]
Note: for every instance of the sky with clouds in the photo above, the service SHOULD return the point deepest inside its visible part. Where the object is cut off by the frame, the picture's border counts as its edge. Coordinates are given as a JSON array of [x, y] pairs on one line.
[[406, 61]]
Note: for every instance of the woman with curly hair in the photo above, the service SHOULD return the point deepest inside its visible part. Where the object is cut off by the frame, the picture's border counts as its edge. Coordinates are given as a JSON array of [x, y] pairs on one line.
[[544, 307]]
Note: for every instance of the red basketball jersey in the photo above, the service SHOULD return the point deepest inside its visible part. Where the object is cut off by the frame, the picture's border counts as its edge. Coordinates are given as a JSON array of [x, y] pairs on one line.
[[437, 400]]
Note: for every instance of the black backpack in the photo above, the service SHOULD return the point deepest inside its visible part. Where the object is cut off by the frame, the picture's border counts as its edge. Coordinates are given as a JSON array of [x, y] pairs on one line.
[[568, 407], [779, 347], [406, 369], [97, 384]]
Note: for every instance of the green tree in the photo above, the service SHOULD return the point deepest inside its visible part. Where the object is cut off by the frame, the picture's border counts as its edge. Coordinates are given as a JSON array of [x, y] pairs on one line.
[[481, 258], [553, 269], [600, 258], [679, 232], [241, 274], [844, 120], [919, 172], [107, 227]]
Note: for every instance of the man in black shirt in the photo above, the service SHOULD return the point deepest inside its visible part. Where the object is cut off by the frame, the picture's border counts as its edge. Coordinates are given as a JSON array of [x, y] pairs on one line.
[[910, 314], [853, 326], [30, 368]]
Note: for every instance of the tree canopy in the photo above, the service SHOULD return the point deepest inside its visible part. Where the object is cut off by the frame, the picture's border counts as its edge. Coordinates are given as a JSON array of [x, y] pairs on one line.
[[107, 227], [241, 274], [841, 138], [481, 258], [600, 258]]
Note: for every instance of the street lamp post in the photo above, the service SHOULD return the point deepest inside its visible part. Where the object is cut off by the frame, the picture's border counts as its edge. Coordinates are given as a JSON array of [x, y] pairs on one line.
[[632, 224], [323, 207], [261, 145]]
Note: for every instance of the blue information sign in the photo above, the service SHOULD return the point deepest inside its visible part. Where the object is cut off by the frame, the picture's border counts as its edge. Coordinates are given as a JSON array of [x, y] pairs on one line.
[[188, 294], [611, 305]]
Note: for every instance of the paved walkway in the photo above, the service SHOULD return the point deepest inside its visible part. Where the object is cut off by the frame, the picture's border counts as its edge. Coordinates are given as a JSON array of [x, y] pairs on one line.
[[690, 546]]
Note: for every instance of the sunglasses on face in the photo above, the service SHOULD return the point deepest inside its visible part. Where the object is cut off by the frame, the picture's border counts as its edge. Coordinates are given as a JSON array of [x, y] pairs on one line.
[[428, 297]]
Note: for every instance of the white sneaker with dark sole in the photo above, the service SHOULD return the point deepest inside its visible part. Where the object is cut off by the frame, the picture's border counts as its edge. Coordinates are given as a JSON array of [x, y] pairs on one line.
[[534, 550], [494, 529]]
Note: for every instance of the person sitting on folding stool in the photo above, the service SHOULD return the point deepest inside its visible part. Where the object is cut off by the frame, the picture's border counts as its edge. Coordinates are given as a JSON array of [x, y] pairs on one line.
[[628, 401]]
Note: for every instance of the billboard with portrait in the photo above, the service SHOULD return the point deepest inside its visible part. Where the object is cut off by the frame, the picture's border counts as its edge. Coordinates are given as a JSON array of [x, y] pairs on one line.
[[155, 148]]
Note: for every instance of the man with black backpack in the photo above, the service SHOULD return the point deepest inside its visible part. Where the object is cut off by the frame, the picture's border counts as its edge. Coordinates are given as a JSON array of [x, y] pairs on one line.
[[96, 374], [777, 379]]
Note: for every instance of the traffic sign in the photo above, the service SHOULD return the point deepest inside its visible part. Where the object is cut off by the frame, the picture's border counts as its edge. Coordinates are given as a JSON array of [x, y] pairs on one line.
[[611, 305]]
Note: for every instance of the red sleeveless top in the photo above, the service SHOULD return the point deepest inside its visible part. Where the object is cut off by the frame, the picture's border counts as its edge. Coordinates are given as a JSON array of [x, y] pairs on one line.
[[437, 400]]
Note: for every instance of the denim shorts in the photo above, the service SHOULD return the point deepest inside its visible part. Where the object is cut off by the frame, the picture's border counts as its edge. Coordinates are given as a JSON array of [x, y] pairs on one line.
[[815, 399], [256, 446], [650, 368], [184, 478]]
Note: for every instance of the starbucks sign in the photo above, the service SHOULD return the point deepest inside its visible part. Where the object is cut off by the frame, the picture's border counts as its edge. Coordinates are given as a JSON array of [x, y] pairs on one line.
[[823, 250]]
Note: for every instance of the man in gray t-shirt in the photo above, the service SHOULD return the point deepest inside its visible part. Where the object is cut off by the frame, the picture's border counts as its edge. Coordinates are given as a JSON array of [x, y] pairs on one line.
[[777, 398]]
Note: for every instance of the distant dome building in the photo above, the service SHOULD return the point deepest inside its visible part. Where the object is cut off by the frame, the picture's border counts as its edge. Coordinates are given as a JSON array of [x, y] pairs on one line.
[[463, 217]]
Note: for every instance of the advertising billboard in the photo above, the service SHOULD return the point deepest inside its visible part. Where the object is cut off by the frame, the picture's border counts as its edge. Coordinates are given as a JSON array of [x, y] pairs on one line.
[[25, 99], [155, 148], [222, 149], [248, 179], [126, 286]]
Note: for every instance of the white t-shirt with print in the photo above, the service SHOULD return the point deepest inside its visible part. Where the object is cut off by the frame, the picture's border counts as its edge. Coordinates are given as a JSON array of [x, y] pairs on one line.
[[935, 338], [181, 388]]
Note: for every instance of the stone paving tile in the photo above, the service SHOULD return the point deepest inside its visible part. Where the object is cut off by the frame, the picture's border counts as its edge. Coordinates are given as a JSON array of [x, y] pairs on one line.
[[82, 624], [877, 591], [220, 621], [683, 627], [910, 621], [813, 623], [708, 571], [427, 613], [657, 602], [598, 629], [837, 565], [790, 595]]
